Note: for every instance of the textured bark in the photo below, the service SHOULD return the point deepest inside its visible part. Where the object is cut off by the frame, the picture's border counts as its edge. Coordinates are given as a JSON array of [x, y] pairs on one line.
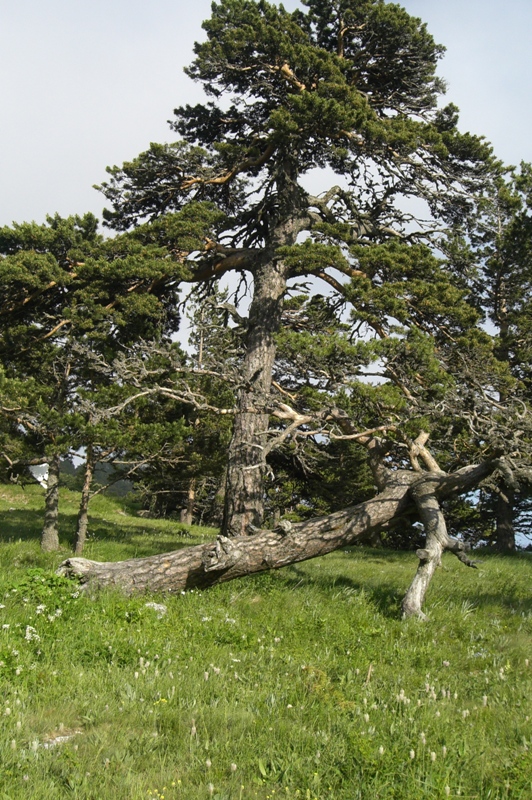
[[228, 558], [246, 467], [437, 539], [425, 494], [50, 533], [504, 517], [83, 514]]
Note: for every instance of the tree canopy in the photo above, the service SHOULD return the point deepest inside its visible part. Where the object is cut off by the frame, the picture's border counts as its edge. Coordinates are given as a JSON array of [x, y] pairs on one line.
[[364, 335]]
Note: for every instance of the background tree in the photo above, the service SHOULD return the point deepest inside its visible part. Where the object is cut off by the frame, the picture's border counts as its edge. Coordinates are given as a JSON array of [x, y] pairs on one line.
[[493, 259]]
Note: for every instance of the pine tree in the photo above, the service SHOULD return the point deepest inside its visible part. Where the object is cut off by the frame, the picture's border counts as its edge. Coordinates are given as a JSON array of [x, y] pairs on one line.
[[347, 87]]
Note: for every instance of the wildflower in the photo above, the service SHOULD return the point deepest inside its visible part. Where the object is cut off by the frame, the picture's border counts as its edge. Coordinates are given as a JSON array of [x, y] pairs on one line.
[[233, 767], [447, 790], [13, 744], [412, 754], [5, 627], [484, 700], [423, 738], [7, 712], [31, 634], [465, 713], [208, 763], [446, 663], [366, 717], [40, 609], [444, 751], [210, 786], [206, 676], [433, 756], [381, 750], [193, 729]]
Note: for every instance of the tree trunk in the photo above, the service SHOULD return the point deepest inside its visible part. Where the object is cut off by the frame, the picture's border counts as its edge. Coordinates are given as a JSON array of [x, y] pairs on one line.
[[187, 514], [225, 559], [50, 533], [437, 539], [425, 494], [83, 514], [504, 518], [246, 466]]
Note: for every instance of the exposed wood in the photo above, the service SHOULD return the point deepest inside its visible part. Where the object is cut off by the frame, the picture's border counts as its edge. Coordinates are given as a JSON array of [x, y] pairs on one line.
[[228, 558]]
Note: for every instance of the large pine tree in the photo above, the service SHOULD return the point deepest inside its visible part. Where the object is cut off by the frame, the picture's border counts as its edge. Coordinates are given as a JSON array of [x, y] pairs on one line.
[[345, 87]]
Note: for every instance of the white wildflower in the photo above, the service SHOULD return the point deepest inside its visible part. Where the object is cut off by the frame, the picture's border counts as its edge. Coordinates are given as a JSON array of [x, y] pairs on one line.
[[31, 634]]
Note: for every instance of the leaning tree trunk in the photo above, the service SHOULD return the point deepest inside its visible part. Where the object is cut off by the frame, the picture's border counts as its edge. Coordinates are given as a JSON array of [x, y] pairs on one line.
[[225, 559], [246, 466], [50, 533], [83, 514], [424, 493]]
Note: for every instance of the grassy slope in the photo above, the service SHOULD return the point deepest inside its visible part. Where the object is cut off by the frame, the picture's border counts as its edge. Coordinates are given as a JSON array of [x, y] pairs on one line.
[[300, 683]]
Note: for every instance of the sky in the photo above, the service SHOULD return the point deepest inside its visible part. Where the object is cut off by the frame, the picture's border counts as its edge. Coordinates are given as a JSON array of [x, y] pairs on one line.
[[87, 84]]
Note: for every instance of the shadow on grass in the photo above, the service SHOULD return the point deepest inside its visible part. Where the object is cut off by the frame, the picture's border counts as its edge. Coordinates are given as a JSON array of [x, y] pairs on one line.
[[21, 526], [384, 596], [386, 591], [138, 538]]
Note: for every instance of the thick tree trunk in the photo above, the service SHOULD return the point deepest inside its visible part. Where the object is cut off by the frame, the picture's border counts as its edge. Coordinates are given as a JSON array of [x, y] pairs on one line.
[[50, 533], [246, 466], [504, 519], [83, 514], [225, 559]]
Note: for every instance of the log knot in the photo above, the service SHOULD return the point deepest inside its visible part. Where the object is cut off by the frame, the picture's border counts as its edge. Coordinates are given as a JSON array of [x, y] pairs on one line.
[[223, 555]]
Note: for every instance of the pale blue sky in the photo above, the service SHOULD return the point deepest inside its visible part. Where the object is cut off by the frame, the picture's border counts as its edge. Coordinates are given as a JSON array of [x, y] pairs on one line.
[[85, 84]]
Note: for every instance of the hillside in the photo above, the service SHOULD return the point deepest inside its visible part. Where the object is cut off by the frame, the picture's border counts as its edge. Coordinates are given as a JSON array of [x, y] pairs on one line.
[[301, 683]]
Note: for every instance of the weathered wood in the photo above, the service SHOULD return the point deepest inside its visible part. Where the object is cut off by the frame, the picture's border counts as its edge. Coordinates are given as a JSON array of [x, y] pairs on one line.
[[228, 558]]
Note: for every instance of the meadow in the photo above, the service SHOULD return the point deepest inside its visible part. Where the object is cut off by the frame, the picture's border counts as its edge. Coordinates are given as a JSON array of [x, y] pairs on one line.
[[302, 683]]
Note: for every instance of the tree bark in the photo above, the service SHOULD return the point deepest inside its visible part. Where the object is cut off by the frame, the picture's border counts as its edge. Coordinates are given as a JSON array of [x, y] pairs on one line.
[[83, 514], [246, 466], [50, 533], [228, 558], [187, 513], [424, 492], [504, 519]]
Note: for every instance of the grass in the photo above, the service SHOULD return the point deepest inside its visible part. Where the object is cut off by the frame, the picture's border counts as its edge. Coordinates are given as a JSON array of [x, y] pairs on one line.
[[301, 683]]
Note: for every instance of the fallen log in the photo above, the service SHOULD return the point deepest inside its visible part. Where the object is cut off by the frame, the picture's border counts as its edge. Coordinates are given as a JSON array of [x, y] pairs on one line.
[[225, 559]]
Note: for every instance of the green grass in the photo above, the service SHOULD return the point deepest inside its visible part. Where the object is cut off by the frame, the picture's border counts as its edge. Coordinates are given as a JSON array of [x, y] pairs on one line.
[[301, 683]]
